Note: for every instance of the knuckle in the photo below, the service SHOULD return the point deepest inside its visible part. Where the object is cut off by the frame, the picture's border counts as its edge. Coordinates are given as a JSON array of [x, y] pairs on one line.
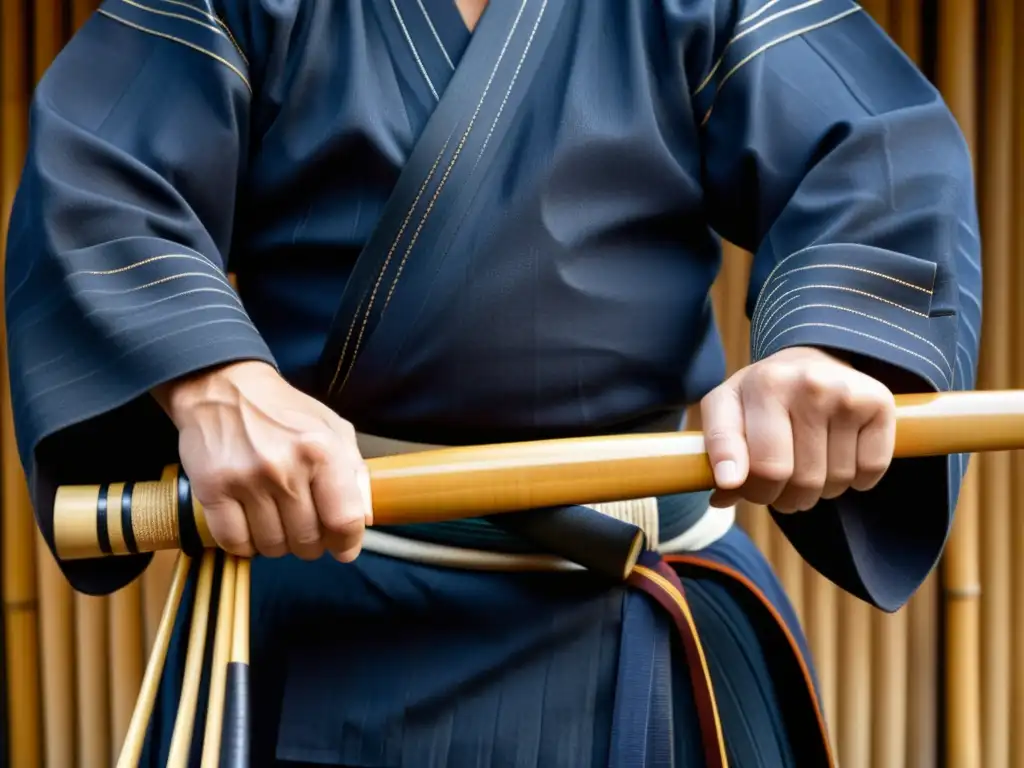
[[772, 470], [272, 547], [345, 527], [312, 448], [232, 540], [346, 429], [873, 466], [772, 376], [307, 537], [272, 467], [808, 481], [841, 476], [716, 437]]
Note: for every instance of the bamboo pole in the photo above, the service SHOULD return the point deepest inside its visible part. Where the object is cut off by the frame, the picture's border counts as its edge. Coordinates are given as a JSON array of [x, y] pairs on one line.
[[92, 665], [923, 668], [906, 28], [822, 628], [57, 652], [879, 10], [56, 605], [1016, 331], [956, 73], [853, 730], [996, 186], [81, 10], [889, 684], [18, 534]]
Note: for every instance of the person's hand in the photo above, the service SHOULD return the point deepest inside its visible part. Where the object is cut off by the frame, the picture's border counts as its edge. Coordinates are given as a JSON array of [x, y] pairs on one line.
[[795, 428], [275, 470]]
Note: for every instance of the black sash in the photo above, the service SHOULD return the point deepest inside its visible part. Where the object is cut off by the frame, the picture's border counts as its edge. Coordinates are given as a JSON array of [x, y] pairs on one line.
[[488, 88]]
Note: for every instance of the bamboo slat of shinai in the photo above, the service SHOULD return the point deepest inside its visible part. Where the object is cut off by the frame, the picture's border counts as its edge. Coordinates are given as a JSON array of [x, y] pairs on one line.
[[56, 603], [923, 628], [956, 76], [156, 582], [92, 666], [1015, 330], [996, 196], [18, 530]]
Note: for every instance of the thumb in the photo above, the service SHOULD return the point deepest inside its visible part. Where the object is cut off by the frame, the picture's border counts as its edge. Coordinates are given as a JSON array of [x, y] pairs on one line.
[[725, 435]]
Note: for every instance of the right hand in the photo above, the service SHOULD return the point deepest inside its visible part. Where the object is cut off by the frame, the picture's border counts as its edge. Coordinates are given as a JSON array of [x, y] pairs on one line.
[[275, 470]]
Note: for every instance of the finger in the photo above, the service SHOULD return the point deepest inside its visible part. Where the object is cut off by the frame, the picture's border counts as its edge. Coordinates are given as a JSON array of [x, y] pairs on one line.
[[340, 489], [810, 462], [268, 535], [301, 523], [875, 446], [227, 523], [721, 413], [843, 438], [770, 446]]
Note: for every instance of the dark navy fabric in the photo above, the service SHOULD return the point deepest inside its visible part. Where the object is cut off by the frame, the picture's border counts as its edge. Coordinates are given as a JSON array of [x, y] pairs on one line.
[[387, 664]]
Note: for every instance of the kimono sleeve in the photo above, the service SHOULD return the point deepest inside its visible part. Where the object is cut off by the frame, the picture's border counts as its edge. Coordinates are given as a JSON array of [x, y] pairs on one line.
[[120, 230], [830, 157]]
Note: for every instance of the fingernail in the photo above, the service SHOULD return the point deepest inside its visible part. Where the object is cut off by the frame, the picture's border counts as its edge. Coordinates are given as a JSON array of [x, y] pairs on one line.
[[727, 474], [363, 478]]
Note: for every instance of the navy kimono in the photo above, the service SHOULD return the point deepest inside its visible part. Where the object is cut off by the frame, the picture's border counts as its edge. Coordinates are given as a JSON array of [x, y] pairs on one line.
[[509, 234]]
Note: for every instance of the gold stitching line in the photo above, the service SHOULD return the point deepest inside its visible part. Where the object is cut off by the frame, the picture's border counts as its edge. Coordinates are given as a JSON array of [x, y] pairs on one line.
[[746, 60], [172, 15], [437, 192], [684, 607], [144, 262], [771, 275], [387, 261], [469, 128], [216, 20], [857, 333], [511, 85], [150, 284], [201, 259], [862, 314], [776, 308], [740, 35], [856, 269], [186, 43], [826, 286], [754, 14]]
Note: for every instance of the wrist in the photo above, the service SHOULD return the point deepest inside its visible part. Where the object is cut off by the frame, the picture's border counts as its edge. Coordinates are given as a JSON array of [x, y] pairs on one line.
[[182, 397]]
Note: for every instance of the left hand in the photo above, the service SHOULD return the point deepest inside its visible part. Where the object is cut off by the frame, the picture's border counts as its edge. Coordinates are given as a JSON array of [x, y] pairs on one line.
[[795, 428]]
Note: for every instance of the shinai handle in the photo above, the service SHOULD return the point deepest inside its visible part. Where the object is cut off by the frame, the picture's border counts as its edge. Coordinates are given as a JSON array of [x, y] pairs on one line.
[[452, 483]]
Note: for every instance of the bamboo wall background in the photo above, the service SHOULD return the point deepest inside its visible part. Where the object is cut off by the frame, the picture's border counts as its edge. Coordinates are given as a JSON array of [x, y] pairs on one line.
[[935, 684]]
